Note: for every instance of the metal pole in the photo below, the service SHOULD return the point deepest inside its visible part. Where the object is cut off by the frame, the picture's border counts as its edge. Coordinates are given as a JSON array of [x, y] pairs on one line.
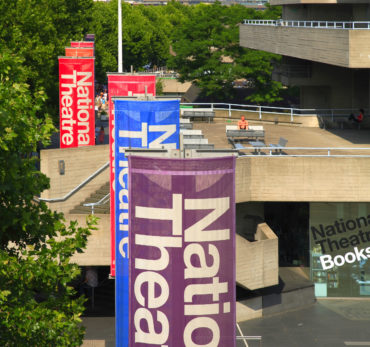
[[119, 36], [241, 333]]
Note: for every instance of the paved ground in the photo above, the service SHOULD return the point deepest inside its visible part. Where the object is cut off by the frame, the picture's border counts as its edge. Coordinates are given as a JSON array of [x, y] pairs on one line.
[[297, 136], [328, 323]]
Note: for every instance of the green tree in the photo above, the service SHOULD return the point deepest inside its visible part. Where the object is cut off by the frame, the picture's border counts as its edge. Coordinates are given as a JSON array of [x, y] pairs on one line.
[[207, 53], [38, 31], [256, 67], [104, 26], [201, 45], [36, 301], [146, 32]]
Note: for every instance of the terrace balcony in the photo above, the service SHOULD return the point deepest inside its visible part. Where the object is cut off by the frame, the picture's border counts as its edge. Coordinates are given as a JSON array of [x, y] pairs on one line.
[[345, 44]]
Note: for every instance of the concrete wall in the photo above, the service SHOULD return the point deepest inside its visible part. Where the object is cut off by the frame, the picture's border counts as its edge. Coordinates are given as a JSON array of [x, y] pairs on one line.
[[97, 252], [257, 263], [80, 163], [329, 86], [327, 12], [303, 179], [258, 179], [346, 48]]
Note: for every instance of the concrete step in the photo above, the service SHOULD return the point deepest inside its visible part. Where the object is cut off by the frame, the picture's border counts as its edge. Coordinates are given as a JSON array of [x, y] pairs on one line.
[[95, 197]]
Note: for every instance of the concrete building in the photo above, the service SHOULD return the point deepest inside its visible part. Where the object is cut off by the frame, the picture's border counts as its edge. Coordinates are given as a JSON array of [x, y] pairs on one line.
[[325, 48], [326, 52], [290, 210]]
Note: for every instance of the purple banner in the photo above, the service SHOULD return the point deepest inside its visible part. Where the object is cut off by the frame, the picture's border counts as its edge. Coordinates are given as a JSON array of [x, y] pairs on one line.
[[182, 252]]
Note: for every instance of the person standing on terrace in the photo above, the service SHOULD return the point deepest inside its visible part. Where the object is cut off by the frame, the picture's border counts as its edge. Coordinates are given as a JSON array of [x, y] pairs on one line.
[[243, 123]]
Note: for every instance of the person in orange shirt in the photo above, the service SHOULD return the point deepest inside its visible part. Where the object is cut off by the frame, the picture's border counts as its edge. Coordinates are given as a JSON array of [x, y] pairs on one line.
[[243, 123]]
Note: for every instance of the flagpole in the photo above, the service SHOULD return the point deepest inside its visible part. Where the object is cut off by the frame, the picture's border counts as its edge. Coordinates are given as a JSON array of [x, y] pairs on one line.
[[119, 36]]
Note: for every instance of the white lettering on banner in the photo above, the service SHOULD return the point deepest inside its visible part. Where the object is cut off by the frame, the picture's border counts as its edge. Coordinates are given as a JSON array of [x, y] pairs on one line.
[[123, 175], [150, 337], [151, 289], [161, 242], [169, 129], [142, 134], [84, 105], [67, 84], [122, 243], [203, 270], [83, 82], [122, 211], [196, 232], [328, 261], [202, 322]]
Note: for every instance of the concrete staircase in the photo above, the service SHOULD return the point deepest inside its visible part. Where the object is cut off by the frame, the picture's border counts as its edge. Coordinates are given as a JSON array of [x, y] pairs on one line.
[[94, 197]]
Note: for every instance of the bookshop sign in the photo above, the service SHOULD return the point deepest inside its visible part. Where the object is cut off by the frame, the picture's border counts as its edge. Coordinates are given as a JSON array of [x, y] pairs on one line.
[[340, 248]]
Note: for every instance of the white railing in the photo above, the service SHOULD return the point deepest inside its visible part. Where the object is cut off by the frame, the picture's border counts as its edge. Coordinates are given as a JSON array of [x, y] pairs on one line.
[[358, 25], [102, 201], [261, 110], [325, 152]]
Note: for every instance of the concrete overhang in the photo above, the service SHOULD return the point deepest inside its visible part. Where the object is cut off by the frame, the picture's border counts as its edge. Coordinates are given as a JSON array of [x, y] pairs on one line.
[[340, 47], [309, 179], [322, 2]]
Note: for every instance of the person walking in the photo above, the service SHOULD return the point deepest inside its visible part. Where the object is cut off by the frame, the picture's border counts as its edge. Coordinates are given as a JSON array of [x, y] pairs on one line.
[[101, 135]]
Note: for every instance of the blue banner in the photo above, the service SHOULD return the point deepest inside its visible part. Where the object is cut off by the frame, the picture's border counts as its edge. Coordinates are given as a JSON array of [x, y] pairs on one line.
[[138, 124]]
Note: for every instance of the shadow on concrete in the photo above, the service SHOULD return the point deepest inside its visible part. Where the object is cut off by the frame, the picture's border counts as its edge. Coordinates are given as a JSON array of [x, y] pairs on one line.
[[355, 136], [294, 291]]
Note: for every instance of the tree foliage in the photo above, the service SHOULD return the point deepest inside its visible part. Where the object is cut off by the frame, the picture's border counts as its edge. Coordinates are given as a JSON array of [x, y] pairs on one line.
[[36, 305], [38, 31], [207, 52], [145, 37]]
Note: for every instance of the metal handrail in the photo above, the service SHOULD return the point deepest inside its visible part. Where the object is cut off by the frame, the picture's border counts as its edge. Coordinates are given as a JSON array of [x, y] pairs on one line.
[[287, 111], [247, 338], [102, 201], [328, 149], [315, 24], [251, 338], [78, 187]]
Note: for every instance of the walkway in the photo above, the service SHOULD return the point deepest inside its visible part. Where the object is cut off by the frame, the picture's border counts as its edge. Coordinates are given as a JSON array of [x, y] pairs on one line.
[[297, 136], [328, 323]]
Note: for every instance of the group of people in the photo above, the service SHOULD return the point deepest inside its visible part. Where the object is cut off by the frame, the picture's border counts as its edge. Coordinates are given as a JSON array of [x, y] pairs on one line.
[[101, 102]]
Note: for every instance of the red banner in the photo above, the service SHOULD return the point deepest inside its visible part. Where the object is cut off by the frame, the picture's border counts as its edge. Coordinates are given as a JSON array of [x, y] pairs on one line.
[[81, 44], [76, 102], [122, 85], [79, 52]]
